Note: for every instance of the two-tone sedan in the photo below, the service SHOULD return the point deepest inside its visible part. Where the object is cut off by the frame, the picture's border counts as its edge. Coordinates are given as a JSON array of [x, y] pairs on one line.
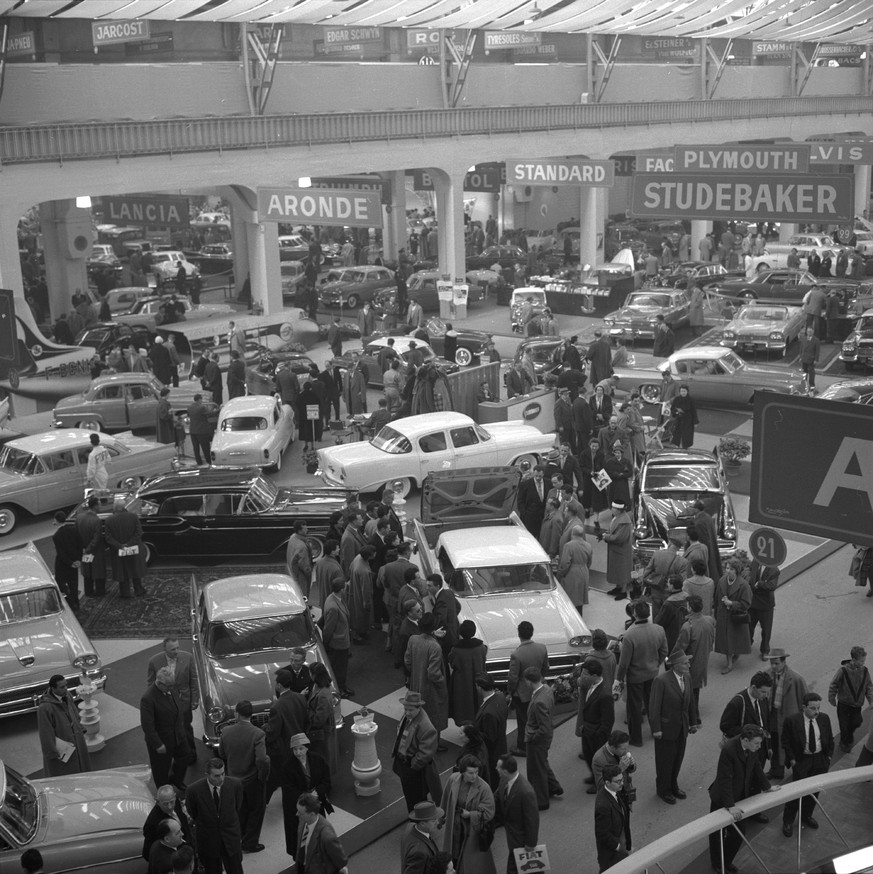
[[505, 256], [470, 344], [255, 429], [671, 480], [78, 823], [408, 449], [369, 357], [351, 286], [768, 285], [639, 314], [164, 310], [762, 327]]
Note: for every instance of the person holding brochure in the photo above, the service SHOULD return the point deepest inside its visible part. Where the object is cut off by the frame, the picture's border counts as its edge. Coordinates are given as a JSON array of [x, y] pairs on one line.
[[61, 735]]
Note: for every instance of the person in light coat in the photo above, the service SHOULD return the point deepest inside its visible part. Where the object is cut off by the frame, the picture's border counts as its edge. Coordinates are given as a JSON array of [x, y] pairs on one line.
[[468, 803], [619, 556], [573, 568], [427, 675]]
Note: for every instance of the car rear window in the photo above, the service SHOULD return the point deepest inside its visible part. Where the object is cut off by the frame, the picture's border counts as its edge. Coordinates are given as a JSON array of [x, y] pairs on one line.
[[244, 423], [244, 636], [392, 441], [32, 604], [681, 478]]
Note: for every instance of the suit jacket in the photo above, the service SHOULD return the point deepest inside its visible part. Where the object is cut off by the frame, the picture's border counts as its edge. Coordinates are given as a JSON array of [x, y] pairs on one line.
[[244, 747], [288, 716], [336, 623], [216, 828], [416, 850], [324, 852], [794, 739], [90, 527], [186, 683], [517, 810], [416, 741], [298, 781], [611, 821], [156, 816], [583, 418], [739, 775], [670, 706], [160, 716], [445, 611], [740, 711], [605, 411], [491, 722], [531, 508], [528, 654], [763, 582], [596, 714], [539, 716]]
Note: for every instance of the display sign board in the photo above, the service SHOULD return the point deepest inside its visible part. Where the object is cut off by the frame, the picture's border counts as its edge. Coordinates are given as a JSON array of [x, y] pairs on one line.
[[744, 196], [104, 33], [484, 177], [667, 48], [535, 860], [422, 38], [361, 209], [545, 171], [625, 165], [842, 153], [20, 44], [812, 467], [349, 39], [655, 162], [367, 182], [505, 39], [768, 547], [840, 51], [776, 158], [772, 49], [149, 209]]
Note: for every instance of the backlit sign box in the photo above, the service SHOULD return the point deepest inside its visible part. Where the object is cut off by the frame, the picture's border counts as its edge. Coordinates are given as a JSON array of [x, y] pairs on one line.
[[504, 39], [422, 38], [665, 48], [104, 33], [545, 171], [359, 209], [812, 467], [842, 153], [149, 210], [744, 196], [743, 159]]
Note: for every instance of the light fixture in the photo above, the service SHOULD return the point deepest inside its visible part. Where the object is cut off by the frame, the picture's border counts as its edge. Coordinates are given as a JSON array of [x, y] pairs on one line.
[[304, 182], [83, 202]]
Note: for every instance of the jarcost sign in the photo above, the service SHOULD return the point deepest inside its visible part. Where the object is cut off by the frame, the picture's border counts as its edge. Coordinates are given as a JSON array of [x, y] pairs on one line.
[[781, 198], [105, 33], [359, 209]]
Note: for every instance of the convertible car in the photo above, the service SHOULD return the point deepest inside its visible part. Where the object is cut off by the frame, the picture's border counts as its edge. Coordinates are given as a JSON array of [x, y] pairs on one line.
[[470, 343], [157, 310], [255, 429], [764, 327], [207, 514], [638, 316], [857, 348], [84, 822], [406, 450]]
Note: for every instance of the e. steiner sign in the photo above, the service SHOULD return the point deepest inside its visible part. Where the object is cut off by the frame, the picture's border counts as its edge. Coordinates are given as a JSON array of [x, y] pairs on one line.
[[744, 196], [359, 209], [812, 467]]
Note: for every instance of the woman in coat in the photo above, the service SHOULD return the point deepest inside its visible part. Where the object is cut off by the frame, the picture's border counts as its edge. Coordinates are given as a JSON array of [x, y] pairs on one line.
[[310, 429], [320, 707], [474, 745], [732, 595], [620, 472], [695, 312], [591, 461], [304, 771], [58, 718], [685, 413], [573, 569], [469, 805], [552, 528], [466, 659], [166, 425]]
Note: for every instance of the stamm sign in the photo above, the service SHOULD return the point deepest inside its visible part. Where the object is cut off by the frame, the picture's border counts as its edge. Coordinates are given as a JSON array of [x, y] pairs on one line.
[[358, 209]]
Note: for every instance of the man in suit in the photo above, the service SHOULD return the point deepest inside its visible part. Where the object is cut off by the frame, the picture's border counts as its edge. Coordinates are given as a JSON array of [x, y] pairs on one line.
[[200, 430], [415, 749], [337, 635], [739, 775], [750, 707], [611, 819], [90, 528], [168, 805], [600, 356], [123, 533], [763, 582], [318, 848], [528, 654], [185, 682], [212, 379], [538, 736], [532, 494], [808, 740], [516, 810], [288, 716], [214, 803], [786, 699], [491, 722], [705, 526], [418, 845], [596, 713], [301, 680], [161, 717], [244, 747], [445, 612], [583, 421], [669, 711]]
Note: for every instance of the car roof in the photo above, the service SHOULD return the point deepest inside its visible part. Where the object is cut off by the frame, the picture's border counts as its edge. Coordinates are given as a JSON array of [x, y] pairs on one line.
[[709, 352], [123, 378], [52, 441], [421, 424], [198, 479], [22, 569], [503, 545], [252, 596], [248, 404], [680, 456]]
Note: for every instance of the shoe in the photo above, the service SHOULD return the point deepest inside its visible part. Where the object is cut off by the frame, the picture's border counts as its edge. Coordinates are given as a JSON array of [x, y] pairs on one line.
[[255, 849], [760, 817], [727, 669], [809, 822], [517, 752], [681, 794], [556, 793], [670, 799], [348, 693], [870, 593], [588, 780], [613, 591], [621, 596], [787, 829], [591, 790]]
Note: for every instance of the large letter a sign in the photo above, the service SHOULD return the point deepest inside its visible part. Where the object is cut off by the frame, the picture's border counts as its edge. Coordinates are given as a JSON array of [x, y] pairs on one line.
[[853, 455]]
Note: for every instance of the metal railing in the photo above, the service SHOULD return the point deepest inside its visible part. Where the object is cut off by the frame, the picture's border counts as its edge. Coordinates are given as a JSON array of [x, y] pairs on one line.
[[651, 857], [94, 140]]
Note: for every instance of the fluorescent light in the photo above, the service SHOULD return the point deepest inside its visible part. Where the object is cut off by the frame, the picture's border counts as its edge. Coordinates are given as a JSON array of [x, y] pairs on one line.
[[83, 202], [304, 182]]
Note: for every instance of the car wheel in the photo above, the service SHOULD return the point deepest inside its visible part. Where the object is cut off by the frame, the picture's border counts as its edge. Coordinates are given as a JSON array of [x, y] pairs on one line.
[[748, 294], [8, 519], [762, 267], [316, 547], [89, 425], [353, 301], [650, 393], [463, 357], [130, 482], [528, 460], [149, 553], [406, 483]]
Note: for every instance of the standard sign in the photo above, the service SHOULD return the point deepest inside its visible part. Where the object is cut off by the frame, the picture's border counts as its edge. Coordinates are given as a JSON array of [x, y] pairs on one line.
[[552, 172], [745, 159], [359, 209], [150, 210], [104, 33], [744, 196]]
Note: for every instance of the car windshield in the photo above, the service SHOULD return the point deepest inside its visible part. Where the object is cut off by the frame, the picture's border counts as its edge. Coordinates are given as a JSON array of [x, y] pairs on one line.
[[19, 461], [504, 578], [19, 809], [391, 441], [32, 604], [93, 339], [649, 300], [763, 314], [681, 478], [244, 423], [542, 353], [261, 496], [865, 324], [244, 636]]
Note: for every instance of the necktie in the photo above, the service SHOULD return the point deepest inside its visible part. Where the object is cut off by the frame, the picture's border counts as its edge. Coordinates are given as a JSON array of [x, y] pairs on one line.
[[811, 740], [305, 837], [216, 798], [540, 489], [758, 713]]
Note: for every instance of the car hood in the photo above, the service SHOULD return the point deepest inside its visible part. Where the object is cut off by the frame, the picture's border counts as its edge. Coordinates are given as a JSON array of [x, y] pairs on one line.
[[669, 512], [754, 326], [472, 496], [507, 431], [70, 402], [40, 646], [639, 312], [94, 803], [237, 678]]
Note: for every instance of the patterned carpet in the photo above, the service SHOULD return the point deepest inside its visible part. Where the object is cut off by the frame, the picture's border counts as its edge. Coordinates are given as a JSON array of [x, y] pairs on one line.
[[166, 608]]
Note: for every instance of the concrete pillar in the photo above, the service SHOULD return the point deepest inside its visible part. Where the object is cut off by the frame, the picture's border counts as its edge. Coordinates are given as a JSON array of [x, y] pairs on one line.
[[588, 226], [10, 263], [67, 238], [449, 188], [699, 229], [394, 227], [602, 215], [862, 190], [239, 230]]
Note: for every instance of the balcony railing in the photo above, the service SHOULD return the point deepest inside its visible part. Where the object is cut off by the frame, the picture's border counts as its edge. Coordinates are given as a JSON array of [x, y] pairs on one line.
[[94, 140]]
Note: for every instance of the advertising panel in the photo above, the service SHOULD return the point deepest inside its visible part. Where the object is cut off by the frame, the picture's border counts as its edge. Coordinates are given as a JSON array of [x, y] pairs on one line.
[[104, 33], [360, 209], [842, 153], [772, 49], [151, 209], [504, 39], [547, 171], [669, 48], [20, 44], [755, 158]]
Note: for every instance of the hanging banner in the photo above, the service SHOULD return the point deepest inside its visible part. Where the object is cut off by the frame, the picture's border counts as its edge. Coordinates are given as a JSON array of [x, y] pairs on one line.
[[556, 172], [504, 39], [670, 48], [361, 209], [756, 158], [20, 44], [104, 33], [342, 39]]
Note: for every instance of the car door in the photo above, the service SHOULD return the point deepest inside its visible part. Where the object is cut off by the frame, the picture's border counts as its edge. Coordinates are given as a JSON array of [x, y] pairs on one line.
[[434, 452], [177, 529], [58, 480], [109, 405], [470, 451], [712, 383], [142, 405], [225, 529]]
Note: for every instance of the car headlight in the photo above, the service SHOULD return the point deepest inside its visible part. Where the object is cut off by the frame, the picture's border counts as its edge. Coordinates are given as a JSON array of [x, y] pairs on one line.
[[609, 322], [641, 531], [775, 335], [89, 660], [730, 335], [216, 714], [730, 531], [580, 640], [848, 347]]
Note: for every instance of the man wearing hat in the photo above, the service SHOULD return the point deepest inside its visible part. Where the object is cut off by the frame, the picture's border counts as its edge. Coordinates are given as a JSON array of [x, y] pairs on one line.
[[161, 365], [670, 720], [419, 846], [564, 417], [620, 551], [414, 751], [786, 699]]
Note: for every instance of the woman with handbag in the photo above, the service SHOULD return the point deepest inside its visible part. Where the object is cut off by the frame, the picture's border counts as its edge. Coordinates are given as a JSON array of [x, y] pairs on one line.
[[469, 819], [305, 771], [733, 597]]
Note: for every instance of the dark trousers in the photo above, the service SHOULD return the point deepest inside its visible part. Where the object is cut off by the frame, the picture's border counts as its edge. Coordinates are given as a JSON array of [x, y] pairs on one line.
[[170, 767], [416, 784], [188, 721], [849, 718], [252, 814], [339, 659], [520, 708], [124, 587], [777, 753], [637, 697], [695, 706], [732, 842], [668, 761], [201, 444], [591, 743], [539, 771], [213, 864], [805, 766], [764, 618], [289, 819], [94, 586], [606, 860], [865, 757], [809, 370]]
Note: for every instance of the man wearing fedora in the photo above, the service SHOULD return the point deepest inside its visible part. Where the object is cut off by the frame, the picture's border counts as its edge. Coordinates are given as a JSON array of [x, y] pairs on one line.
[[419, 846], [414, 751], [786, 699]]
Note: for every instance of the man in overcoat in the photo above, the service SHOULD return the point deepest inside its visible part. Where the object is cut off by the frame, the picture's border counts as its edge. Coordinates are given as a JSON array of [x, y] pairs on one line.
[[162, 721], [185, 681], [90, 528], [61, 736], [619, 554], [427, 674], [124, 536], [538, 735], [532, 495], [786, 699], [600, 356], [596, 714], [491, 721], [415, 749], [696, 639], [611, 819], [517, 811], [214, 804]]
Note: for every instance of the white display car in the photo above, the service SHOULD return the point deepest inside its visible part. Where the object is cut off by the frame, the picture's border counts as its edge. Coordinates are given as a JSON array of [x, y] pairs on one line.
[[254, 429], [165, 265], [776, 253], [406, 450]]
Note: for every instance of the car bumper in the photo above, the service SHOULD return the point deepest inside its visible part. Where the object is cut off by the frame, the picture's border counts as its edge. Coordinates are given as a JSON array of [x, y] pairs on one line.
[[752, 344], [647, 333], [859, 356], [559, 664], [25, 698], [646, 548]]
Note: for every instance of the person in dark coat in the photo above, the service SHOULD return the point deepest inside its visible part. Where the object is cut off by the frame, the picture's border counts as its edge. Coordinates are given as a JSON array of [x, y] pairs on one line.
[[672, 612], [162, 367], [467, 661], [168, 805], [532, 495], [329, 378], [304, 771], [763, 582], [611, 819], [334, 337], [596, 711], [212, 379], [491, 721], [236, 376], [591, 460], [516, 804], [165, 421], [200, 429], [419, 852], [621, 472], [90, 528], [161, 718], [124, 536], [583, 423], [288, 717], [601, 408], [310, 430], [600, 356], [68, 558], [684, 412], [665, 341], [706, 533], [217, 825], [57, 719]]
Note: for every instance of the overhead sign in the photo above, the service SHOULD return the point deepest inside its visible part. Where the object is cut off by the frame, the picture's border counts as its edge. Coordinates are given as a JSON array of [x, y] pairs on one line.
[[104, 33], [840, 51], [842, 153], [505, 39], [152, 209], [777, 158], [772, 49], [483, 177], [665, 48], [356, 183], [340, 39], [655, 162], [361, 209], [768, 547], [544, 171], [744, 196], [422, 38], [812, 467], [20, 44], [625, 165]]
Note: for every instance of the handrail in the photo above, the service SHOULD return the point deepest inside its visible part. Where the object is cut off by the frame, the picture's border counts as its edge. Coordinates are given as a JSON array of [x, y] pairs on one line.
[[693, 832], [79, 141]]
